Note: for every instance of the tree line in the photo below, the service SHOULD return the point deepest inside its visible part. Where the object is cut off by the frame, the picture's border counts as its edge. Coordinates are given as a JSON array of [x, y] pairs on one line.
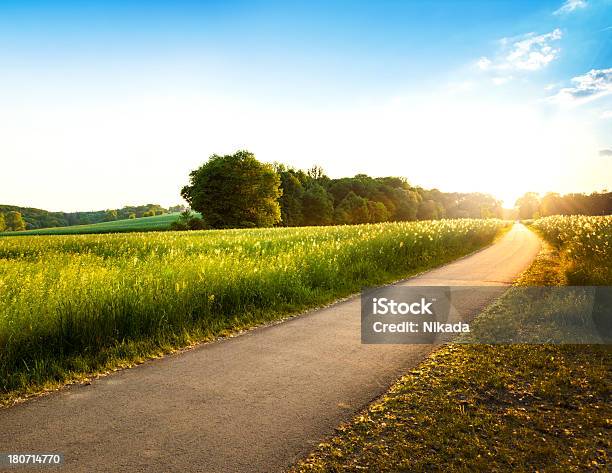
[[531, 205], [238, 191], [312, 198]]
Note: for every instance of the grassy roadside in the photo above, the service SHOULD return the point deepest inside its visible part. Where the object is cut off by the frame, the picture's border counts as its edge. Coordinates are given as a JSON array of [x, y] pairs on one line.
[[487, 408], [585, 245], [123, 290]]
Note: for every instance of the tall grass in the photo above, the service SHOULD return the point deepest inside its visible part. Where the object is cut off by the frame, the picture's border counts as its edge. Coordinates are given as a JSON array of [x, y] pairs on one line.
[[585, 243], [70, 303]]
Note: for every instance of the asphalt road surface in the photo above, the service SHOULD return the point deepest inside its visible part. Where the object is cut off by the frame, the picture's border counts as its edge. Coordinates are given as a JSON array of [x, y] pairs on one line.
[[256, 402]]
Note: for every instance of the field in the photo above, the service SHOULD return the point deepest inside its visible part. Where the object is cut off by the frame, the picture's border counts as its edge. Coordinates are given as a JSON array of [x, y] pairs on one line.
[[515, 407], [143, 224], [585, 243], [72, 305]]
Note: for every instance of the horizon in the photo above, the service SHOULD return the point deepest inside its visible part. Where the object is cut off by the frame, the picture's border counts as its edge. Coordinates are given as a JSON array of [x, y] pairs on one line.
[[182, 201], [116, 102]]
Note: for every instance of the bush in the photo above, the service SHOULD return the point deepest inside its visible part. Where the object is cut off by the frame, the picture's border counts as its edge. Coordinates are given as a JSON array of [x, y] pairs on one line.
[[188, 221]]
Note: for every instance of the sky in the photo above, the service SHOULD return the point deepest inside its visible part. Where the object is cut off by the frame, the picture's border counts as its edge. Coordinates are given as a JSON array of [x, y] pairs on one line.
[[112, 103]]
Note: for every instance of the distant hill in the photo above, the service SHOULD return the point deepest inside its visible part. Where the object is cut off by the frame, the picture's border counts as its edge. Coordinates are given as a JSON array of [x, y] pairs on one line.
[[143, 224], [38, 218]]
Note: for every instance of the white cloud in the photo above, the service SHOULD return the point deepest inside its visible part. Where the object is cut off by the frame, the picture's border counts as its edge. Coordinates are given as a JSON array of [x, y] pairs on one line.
[[530, 52], [592, 85], [606, 114], [569, 6], [534, 52], [605, 152]]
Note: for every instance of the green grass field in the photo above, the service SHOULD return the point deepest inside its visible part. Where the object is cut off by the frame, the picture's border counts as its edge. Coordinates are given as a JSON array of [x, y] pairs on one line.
[[78, 304], [143, 224]]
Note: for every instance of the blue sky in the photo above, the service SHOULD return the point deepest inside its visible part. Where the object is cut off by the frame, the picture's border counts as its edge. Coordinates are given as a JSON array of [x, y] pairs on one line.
[[108, 103]]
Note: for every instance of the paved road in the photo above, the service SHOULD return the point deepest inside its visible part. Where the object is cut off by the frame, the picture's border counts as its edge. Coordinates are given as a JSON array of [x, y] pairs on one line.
[[256, 402]]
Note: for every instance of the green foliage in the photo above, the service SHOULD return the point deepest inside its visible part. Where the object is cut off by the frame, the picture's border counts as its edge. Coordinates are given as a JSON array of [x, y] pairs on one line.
[[430, 210], [377, 212], [235, 191], [69, 301], [399, 200], [188, 221], [353, 209], [317, 206], [312, 198], [291, 201], [531, 206], [111, 215], [2, 223], [177, 209], [14, 222], [406, 204]]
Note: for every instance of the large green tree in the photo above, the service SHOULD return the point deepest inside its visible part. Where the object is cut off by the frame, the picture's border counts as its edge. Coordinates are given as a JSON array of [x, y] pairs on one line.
[[235, 190], [2, 223]]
